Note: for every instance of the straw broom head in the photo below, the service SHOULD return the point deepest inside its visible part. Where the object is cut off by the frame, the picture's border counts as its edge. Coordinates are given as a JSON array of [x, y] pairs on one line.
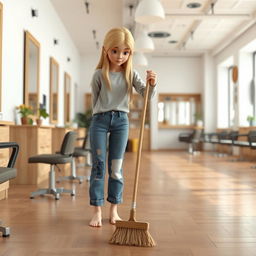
[[132, 233]]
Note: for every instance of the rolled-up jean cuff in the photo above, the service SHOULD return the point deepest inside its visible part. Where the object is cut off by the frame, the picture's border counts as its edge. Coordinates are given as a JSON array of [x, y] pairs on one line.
[[97, 202], [114, 201]]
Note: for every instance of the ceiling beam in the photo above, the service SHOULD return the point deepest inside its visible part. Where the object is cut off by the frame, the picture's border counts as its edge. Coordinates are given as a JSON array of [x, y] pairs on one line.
[[234, 34], [203, 16], [182, 43]]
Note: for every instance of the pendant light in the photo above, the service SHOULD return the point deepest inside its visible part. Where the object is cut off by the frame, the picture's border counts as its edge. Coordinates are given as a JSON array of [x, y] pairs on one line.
[[149, 11], [139, 60], [143, 43]]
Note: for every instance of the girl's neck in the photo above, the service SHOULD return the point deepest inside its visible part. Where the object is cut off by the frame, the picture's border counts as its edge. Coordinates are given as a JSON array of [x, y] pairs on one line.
[[113, 68]]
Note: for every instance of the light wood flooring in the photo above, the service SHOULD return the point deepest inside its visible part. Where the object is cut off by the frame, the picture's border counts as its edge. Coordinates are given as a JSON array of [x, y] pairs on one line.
[[196, 205]]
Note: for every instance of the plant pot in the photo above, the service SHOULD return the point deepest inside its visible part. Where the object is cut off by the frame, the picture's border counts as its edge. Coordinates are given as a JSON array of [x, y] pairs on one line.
[[39, 122], [24, 120]]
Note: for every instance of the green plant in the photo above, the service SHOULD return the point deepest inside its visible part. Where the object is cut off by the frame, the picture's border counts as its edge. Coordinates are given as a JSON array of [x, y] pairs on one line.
[[25, 110], [198, 116], [83, 119], [42, 113], [251, 118]]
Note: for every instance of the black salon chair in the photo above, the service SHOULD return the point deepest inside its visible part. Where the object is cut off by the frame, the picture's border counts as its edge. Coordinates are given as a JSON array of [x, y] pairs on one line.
[[193, 139], [63, 157], [7, 173], [85, 152]]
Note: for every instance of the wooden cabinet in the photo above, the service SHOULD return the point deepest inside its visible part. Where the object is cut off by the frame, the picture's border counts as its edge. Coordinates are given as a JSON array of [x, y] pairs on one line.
[[4, 158], [33, 140]]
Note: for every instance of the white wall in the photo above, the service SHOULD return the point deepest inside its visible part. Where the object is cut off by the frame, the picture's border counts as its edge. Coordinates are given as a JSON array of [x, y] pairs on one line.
[[16, 19], [237, 51], [175, 75], [88, 66]]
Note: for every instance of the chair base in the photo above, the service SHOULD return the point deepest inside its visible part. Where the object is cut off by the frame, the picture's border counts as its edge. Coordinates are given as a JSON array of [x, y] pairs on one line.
[[52, 191], [73, 175], [5, 231]]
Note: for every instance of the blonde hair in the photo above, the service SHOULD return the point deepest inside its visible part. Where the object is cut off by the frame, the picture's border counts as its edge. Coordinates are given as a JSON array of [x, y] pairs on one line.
[[114, 38]]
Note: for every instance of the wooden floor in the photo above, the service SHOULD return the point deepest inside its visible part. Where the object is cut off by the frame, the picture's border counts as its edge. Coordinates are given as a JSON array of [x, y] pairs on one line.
[[196, 206]]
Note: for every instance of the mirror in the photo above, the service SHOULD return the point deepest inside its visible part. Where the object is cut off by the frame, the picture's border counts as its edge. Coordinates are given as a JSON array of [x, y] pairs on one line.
[[1, 29], [67, 98], [178, 109], [54, 90], [31, 69]]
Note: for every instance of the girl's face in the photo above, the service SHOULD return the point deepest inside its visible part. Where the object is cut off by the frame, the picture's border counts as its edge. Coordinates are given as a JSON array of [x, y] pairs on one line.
[[118, 56]]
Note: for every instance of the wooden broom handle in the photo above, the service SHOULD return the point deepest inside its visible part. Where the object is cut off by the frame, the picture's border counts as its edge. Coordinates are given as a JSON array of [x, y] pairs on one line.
[[135, 188]]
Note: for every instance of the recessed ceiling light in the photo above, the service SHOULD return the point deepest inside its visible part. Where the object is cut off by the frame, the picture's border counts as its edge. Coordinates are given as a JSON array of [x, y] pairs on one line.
[[173, 42], [159, 34], [193, 5]]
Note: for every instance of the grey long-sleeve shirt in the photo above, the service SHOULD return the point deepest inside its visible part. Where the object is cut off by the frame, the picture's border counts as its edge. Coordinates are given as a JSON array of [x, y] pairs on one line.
[[104, 100]]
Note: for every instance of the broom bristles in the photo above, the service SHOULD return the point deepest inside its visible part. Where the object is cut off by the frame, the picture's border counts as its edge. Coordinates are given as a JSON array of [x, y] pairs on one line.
[[132, 236]]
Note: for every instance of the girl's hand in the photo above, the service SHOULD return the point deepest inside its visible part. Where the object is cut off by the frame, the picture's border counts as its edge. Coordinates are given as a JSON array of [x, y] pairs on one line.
[[151, 77]]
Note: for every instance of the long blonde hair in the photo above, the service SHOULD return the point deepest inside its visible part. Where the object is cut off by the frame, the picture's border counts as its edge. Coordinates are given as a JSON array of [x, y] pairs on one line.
[[114, 38]]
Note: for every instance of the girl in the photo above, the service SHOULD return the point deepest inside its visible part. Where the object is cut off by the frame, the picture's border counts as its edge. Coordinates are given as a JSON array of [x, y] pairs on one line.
[[112, 85]]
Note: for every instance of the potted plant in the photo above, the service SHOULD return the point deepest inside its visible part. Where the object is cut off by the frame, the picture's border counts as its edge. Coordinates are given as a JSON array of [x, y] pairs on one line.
[[41, 114], [251, 120], [25, 111], [84, 119], [198, 119]]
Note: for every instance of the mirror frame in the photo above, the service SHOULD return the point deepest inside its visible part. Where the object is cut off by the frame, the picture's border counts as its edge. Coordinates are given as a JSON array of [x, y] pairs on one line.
[[1, 38], [67, 111], [53, 63], [30, 38]]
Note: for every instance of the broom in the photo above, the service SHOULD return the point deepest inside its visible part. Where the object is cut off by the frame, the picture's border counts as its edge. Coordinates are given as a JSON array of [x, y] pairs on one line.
[[132, 232]]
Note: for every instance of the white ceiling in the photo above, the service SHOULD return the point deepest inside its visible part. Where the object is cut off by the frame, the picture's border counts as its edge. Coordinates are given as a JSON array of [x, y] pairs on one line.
[[196, 30]]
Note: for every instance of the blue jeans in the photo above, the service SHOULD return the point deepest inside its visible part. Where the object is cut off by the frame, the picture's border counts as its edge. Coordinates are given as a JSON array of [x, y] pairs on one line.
[[115, 123]]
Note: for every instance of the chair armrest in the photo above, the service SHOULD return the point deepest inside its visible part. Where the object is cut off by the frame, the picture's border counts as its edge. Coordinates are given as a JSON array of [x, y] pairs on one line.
[[15, 151], [80, 138]]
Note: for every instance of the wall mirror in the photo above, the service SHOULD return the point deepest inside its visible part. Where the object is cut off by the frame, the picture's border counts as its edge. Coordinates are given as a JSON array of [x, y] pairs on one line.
[[67, 98], [54, 90], [178, 110], [32, 72], [1, 29]]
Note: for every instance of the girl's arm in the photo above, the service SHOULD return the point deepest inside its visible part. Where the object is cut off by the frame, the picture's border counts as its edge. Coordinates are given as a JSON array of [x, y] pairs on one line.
[[95, 87], [140, 86]]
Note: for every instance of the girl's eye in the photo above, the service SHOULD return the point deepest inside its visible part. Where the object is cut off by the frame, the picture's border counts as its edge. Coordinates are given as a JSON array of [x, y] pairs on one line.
[[126, 53], [114, 51]]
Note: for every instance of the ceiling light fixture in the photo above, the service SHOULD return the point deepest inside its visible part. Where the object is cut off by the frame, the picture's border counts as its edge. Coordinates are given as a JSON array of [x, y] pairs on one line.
[[149, 11], [87, 4], [34, 12], [193, 5], [131, 9], [94, 34], [55, 41], [173, 42], [139, 60], [143, 43], [159, 34]]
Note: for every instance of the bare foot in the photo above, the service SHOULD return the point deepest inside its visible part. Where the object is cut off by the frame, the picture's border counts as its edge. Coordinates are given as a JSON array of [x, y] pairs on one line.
[[96, 220], [113, 215]]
